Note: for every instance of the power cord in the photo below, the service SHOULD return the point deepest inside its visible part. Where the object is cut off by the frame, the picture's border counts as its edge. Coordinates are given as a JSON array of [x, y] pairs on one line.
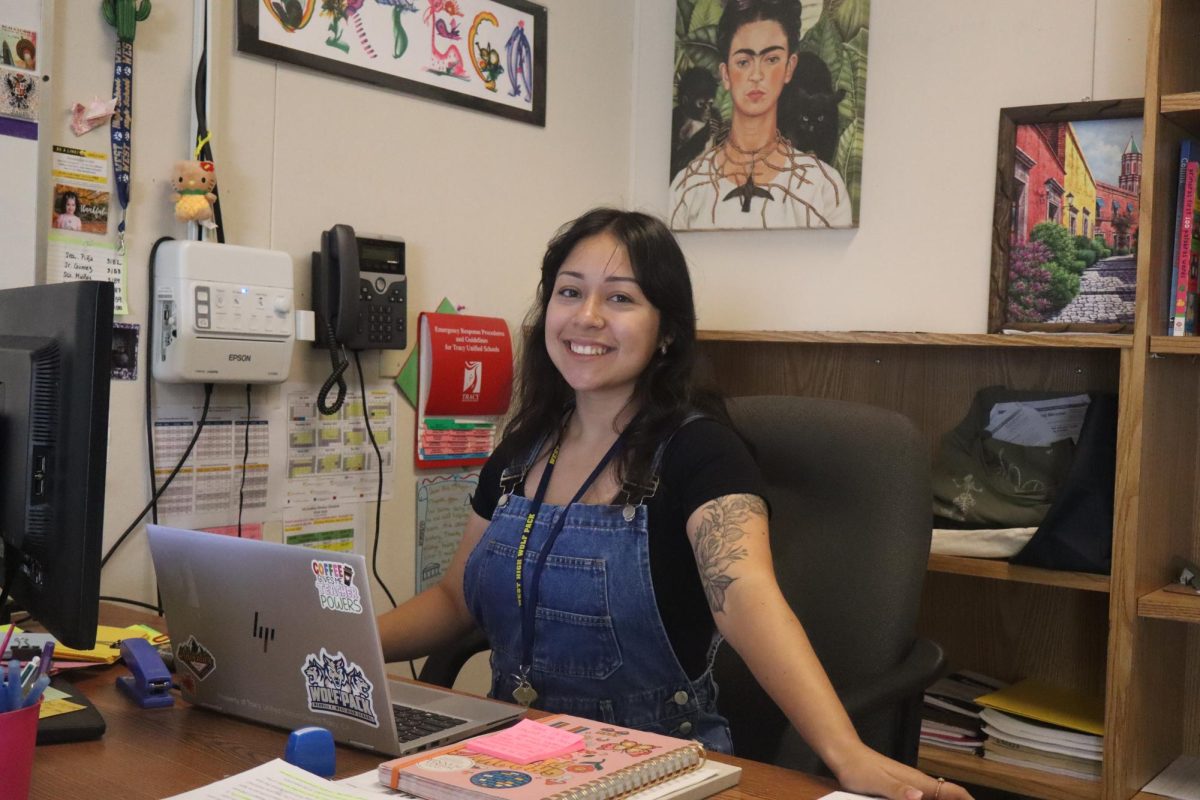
[[208, 390], [245, 456], [379, 491]]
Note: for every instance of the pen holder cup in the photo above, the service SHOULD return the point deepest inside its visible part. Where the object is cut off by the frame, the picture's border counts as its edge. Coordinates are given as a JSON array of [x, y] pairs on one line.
[[18, 734]]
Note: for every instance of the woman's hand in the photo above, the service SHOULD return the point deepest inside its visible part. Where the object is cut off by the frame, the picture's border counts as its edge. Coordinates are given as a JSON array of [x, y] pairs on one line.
[[868, 772]]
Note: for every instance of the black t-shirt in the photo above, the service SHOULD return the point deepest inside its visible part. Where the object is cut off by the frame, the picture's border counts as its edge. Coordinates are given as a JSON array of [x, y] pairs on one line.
[[704, 460]]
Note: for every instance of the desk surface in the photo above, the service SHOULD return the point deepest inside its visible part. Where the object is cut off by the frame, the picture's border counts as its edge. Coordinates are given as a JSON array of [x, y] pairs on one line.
[[155, 753]]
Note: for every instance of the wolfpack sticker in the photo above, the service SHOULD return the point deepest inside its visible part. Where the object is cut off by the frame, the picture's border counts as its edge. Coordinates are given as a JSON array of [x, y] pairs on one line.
[[335, 587], [198, 658], [338, 686]]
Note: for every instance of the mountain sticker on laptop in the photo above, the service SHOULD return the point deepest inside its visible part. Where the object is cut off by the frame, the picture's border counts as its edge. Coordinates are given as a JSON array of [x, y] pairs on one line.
[[198, 658], [336, 685]]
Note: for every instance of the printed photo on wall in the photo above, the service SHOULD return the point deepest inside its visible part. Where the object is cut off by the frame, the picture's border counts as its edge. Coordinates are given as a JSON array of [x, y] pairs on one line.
[[1065, 227], [767, 124], [80, 209]]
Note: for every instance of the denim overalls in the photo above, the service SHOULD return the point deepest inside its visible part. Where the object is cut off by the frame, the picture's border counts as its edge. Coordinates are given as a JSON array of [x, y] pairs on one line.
[[600, 649]]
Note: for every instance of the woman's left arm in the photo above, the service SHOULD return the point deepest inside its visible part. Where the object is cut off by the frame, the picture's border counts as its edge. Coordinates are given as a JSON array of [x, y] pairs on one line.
[[730, 538]]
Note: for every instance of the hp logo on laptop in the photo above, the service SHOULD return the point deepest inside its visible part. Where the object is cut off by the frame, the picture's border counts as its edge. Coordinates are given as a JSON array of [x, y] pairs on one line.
[[262, 632]]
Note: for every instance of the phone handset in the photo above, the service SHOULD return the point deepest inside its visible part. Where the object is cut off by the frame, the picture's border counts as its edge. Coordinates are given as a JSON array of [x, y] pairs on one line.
[[342, 306], [335, 277]]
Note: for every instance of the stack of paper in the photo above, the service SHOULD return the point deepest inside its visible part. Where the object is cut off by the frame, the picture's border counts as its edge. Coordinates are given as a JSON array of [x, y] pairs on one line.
[[950, 717], [442, 438], [1036, 725]]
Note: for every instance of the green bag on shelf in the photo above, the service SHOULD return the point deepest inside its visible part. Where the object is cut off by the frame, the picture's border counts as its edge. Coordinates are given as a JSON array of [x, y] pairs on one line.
[[982, 482]]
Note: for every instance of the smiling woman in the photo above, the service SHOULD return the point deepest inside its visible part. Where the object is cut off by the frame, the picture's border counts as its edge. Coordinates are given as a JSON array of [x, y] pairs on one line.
[[619, 531]]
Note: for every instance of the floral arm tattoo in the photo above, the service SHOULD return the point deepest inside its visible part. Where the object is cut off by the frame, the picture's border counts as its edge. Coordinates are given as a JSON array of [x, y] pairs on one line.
[[717, 544]]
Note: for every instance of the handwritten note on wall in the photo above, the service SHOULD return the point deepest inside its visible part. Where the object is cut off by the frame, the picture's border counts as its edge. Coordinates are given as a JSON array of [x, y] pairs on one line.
[[443, 506], [72, 259]]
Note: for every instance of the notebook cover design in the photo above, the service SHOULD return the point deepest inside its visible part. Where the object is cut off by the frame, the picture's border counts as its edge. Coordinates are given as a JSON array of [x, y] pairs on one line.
[[613, 762]]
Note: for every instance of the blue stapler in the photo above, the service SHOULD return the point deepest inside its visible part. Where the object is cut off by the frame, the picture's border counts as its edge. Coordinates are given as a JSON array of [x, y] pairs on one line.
[[150, 685]]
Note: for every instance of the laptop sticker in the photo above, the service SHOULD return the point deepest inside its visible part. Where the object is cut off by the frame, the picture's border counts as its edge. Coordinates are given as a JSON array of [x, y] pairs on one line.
[[198, 658], [335, 587], [336, 685]]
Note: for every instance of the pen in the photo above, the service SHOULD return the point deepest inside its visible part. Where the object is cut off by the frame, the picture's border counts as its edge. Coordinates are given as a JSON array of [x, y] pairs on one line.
[[7, 636], [13, 689], [47, 657], [35, 693], [29, 672]]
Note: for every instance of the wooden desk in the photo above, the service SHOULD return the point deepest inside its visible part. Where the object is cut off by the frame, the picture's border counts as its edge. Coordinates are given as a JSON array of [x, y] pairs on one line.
[[155, 753]]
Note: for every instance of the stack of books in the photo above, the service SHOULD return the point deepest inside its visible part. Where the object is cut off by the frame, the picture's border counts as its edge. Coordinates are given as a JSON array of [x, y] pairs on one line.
[[1185, 256], [1039, 726], [951, 717]]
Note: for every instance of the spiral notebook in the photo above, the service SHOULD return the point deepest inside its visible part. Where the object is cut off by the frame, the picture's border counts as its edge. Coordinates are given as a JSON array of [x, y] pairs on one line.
[[614, 762]]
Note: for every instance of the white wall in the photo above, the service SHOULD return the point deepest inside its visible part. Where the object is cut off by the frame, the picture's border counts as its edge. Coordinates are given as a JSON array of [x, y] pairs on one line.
[[476, 196], [939, 71]]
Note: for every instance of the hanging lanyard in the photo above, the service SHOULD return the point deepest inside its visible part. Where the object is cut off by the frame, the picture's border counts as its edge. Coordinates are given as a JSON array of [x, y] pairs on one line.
[[124, 15], [524, 693]]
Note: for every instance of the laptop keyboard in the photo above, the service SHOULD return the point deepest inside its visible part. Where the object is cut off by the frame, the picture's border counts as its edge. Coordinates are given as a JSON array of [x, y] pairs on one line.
[[413, 723]]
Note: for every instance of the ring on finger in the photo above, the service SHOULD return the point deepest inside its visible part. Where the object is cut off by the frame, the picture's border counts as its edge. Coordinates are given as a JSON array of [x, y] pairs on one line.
[[938, 790]]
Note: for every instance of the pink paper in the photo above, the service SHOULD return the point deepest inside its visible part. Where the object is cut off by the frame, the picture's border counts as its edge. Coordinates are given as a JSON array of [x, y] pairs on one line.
[[526, 742]]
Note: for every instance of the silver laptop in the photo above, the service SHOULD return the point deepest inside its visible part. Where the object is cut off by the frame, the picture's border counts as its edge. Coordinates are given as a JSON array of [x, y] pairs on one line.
[[286, 635]]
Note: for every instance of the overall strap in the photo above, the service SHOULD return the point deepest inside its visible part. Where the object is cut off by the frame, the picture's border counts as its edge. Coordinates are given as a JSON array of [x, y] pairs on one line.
[[637, 492], [514, 474]]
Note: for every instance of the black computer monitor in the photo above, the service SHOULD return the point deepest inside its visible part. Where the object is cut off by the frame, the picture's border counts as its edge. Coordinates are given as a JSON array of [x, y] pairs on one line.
[[55, 354]]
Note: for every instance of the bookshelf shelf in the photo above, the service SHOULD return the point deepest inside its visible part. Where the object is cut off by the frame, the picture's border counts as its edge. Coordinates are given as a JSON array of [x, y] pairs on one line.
[[1175, 345], [1002, 570], [1021, 780], [1183, 109], [1103, 341], [1169, 605]]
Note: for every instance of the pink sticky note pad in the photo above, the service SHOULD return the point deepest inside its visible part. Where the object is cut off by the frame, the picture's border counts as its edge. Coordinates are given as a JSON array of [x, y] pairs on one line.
[[526, 742]]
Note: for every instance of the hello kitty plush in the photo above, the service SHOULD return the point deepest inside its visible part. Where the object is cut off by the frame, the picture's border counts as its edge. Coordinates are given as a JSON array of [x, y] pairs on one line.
[[193, 183]]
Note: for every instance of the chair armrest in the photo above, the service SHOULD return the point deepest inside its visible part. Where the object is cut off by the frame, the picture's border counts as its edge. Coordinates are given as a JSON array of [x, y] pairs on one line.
[[441, 668], [923, 665]]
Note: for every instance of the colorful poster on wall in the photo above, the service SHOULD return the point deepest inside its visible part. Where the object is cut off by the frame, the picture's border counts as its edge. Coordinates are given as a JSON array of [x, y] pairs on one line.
[[443, 507], [489, 55], [767, 126]]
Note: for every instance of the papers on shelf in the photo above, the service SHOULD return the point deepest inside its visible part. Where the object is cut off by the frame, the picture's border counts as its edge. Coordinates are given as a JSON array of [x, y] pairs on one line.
[[1038, 423], [1180, 780]]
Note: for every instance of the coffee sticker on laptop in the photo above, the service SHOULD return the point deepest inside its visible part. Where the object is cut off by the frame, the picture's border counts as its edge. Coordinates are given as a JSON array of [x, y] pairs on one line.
[[196, 657], [335, 587], [336, 685]]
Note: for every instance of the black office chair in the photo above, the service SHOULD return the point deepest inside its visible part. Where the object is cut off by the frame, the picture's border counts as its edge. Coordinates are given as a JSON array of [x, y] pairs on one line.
[[850, 499], [850, 502]]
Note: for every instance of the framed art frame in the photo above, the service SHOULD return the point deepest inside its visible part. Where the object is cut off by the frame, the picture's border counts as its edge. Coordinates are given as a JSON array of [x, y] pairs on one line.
[[487, 55], [1065, 220]]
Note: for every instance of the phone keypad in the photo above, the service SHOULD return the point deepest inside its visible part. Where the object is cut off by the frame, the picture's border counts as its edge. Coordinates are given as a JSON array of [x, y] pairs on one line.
[[383, 300]]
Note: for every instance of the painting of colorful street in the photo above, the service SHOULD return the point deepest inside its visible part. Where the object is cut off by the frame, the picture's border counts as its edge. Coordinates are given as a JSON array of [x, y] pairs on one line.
[[1075, 222]]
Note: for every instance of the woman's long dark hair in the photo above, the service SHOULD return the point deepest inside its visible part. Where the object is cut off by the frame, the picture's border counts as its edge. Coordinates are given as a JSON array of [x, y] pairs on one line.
[[666, 391]]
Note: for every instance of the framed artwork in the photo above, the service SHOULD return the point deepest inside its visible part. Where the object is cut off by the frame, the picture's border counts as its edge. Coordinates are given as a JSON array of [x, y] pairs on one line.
[[799, 67], [1065, 222], [488, 55]]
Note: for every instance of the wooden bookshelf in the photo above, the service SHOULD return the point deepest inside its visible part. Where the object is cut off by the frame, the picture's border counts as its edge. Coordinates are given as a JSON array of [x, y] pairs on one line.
[[1004, 571], [1175, 345], [1182, 108], [1170, 605], [962, 767], [1104, 341]]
